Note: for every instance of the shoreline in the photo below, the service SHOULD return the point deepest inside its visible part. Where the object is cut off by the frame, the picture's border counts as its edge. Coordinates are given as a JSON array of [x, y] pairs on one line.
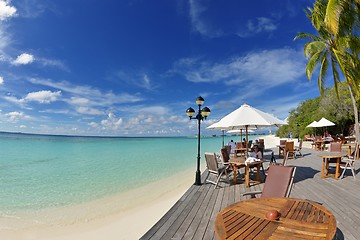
[[116, 217]]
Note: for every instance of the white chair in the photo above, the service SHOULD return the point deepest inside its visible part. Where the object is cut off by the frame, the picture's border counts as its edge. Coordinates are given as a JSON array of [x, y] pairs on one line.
[[298, 149], [348, 162], [213, 168]]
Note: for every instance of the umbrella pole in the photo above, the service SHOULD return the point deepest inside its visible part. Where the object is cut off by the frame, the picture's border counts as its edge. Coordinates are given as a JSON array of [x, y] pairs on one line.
[[223, 137], [240, 135], [247, 149]]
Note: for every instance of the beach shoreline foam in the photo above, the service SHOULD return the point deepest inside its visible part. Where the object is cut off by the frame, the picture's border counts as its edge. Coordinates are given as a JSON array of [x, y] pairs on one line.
[[125, 216]]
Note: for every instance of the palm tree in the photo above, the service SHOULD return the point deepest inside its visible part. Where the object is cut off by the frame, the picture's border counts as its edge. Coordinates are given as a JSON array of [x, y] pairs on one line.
[[335, 46]]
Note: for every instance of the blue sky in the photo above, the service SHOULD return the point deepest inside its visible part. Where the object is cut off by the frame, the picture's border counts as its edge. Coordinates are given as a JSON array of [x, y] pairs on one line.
[[130, 68]]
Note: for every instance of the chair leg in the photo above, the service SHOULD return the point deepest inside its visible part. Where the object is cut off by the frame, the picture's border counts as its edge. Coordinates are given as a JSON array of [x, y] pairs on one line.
[[353, 169]]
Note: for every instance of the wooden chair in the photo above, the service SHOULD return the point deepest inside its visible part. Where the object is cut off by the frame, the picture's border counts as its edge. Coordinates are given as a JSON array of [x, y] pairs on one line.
[[214, 168], [335, 147], [278, 183], [348, 162], [281, 149], [289, 150], [228, 149]]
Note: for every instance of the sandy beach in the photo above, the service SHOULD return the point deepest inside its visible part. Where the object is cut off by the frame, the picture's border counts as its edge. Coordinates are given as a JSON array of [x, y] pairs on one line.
[[126, 216]]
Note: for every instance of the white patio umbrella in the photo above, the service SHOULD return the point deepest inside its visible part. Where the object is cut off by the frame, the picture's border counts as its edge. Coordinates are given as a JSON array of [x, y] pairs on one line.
[[217, 126], [324, 123], [313, 124], [246, 117], [240, 131]]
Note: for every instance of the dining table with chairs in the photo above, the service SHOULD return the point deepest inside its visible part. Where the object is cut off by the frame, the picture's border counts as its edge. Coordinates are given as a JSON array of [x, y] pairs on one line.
[[240, 162]]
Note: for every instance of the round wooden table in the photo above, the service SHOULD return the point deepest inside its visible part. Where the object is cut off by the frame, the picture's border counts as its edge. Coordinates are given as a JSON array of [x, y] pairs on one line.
[[299, 219]]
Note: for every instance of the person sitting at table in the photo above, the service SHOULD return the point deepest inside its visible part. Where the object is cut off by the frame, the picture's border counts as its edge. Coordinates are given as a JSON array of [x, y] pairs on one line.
[[256, 153], [232, 144]]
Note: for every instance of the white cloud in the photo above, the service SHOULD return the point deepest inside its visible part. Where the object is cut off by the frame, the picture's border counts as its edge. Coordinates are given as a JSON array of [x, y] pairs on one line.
[[79, 101], [157, 110], [112, 122], [16, 116], [89, 111], [93, 124], [53, 63], [1, 80], [95, 96], [262, 25], [23, 59], [140, 80], [43, 96], [6, 11], [198, 22], [267, 68]]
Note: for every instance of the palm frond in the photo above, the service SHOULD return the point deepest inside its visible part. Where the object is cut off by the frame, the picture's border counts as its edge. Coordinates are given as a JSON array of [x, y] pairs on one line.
[[313, 63], [310, 36], [322, 73], [333, 11], [312, 48], [334, 66]]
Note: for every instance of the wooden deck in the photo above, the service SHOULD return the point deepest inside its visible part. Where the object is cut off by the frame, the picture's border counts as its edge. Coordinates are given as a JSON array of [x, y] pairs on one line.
[[193, 216]]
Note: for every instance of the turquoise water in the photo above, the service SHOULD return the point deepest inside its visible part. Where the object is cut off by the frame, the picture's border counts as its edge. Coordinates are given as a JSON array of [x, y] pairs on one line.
[[39, 171]]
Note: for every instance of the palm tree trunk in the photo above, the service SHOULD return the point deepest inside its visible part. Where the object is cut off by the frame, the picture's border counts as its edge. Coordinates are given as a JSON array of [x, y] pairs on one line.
[[356, 114]]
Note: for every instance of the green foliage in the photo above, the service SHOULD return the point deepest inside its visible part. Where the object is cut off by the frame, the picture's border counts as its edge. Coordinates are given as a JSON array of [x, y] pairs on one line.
[[338, 110]]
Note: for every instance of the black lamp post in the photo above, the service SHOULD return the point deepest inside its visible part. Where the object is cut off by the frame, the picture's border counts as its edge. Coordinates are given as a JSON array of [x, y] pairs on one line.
[[201, 115]]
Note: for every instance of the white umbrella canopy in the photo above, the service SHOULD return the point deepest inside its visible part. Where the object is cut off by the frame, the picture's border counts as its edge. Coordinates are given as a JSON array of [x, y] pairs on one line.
[[239, 130], [324, 123], [246, 117], [313, 124]]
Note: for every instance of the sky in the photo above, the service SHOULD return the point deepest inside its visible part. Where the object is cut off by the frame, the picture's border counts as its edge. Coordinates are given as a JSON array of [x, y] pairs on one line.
[[133, 67]]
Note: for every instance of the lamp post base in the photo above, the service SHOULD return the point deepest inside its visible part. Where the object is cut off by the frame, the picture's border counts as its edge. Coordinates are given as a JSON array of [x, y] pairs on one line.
[[197, 178]]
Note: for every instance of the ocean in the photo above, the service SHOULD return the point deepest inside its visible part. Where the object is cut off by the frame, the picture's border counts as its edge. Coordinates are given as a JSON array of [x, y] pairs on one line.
[[41, 171]]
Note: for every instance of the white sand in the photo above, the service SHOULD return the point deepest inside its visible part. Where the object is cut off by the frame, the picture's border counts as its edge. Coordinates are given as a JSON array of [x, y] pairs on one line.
[[126, 216]]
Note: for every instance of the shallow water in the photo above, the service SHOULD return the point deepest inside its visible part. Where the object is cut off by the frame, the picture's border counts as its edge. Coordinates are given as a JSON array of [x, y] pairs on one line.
[[38, 172]]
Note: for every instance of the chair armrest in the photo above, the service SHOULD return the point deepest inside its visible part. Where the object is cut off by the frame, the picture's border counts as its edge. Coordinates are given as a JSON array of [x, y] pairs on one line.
[[252, 193]]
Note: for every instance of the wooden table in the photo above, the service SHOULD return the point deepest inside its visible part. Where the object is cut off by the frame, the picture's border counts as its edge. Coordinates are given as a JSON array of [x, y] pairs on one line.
[[319, 145], [237, 149], [325, 164], [299, 219], [240, 163]]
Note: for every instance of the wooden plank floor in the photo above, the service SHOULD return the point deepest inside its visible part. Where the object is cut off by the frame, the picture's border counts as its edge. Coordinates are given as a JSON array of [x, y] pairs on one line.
[[193, 215]]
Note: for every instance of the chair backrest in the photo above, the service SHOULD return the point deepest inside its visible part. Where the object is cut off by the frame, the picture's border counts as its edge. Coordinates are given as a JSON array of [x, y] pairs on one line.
[[225, 155], [356, 152], [335, 147], [289, 146], [228, 148], [282, 142], [211, 162], [279, 181], [239, 145]]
